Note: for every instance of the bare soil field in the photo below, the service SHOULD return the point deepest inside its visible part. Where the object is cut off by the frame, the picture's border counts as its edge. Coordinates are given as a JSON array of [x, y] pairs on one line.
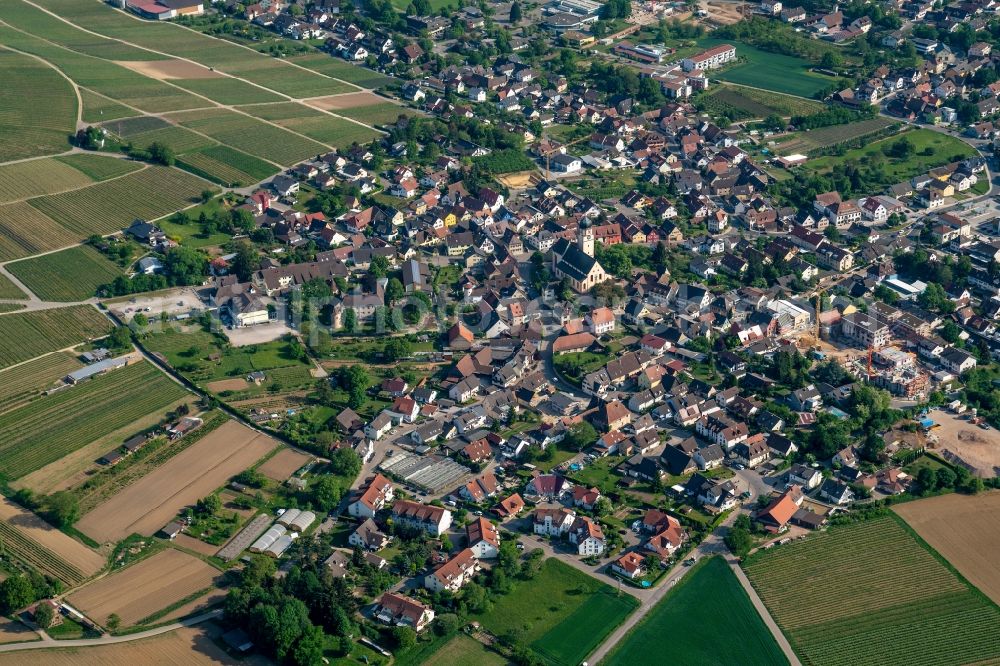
[[48, 537], [978, 449], [237, 384], [15, 632], [346, 101], [197, 545], [164, 70], [149, 503], [283, 464], [199, 605], [190, 646], [144, 588], [519, 180], [965, 529]]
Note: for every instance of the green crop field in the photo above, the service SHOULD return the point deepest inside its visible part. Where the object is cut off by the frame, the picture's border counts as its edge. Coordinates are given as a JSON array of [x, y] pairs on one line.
[[226, 90], [562, 613], [45, 430], [98, 109], [872, 592], [37, 108], [943, 149], [100, 167], [223, 55], [25, 231], [377, 114], [105, 77], [23, 180], [251, 135], [824, 137], [9, 290], [709, 620], [341, 69], [43, 559], [227, 166], [28, 380], [25, 335], [113, 205], [69, 275]]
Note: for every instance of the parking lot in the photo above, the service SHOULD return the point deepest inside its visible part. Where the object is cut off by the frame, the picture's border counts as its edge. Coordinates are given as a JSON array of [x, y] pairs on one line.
[[180, 301]]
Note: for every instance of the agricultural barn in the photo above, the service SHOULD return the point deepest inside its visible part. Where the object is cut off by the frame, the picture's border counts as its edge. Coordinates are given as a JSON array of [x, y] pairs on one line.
[[162, 10]]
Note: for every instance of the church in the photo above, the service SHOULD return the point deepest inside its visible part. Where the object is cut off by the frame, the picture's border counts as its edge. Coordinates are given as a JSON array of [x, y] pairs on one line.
[[575, 261]]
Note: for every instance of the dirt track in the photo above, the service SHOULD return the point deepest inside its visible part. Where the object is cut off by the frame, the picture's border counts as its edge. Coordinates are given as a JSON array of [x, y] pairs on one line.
[[149, 503], [144, 588], [48, 537], [965, 529]]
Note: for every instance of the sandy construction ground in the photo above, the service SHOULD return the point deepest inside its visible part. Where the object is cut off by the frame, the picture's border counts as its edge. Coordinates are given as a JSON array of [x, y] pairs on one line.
[[144, 588], [48, 537], [979, 449], [165, 70], [283, 464], [188, 646], [965, 529], [151, 502], [347, 101]]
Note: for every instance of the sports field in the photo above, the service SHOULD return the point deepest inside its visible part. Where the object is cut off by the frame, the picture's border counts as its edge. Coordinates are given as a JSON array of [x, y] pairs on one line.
[[965, 529], [49, 428], [770, 71], [37, 108], [562, 613], [25, 335], [706, 619], [113, 205], [70, 275], [870, 592]]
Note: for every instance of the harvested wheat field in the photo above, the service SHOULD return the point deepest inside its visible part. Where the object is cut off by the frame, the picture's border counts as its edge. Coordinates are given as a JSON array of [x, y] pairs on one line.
[[283, 464], [164, 70], [237, 384], [188, 646], [965, 529], [346, 101], [12, 631], [68, 549], [142, 589], [148, 504]]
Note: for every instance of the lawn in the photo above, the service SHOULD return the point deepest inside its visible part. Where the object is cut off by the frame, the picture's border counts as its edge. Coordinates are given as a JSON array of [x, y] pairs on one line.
[[111, 206], [69, 275], [709, 620], [47, 429], [463, 650], [770, 71], [873, 592], [562, 613], [600, 473], [942, 149], [37, 108], [25, 335]]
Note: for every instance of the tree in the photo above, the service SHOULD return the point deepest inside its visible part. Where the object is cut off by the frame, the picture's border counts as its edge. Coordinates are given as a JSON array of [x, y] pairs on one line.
[[309, 650], [61, 508], [515, 12], [113, 622], [394, 291], [209, 505], [581, 436], [257, 570], [396, 349], [830, 60], [945, 478], [246, 261], [926, 479], [326, 493], [404, 637], [350, 320], [120, 338], [603, 507], [739, 540], [355, 380], [44, 615], [183, 266], [161, 153], [345, 462], [379, 267], [16, 592]]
